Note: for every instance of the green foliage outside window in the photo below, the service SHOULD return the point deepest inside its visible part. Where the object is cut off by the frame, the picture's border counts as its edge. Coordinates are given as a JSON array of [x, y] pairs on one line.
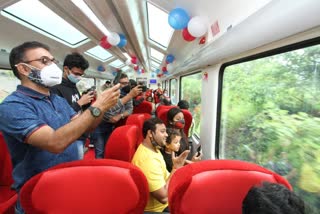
[[271, 116]]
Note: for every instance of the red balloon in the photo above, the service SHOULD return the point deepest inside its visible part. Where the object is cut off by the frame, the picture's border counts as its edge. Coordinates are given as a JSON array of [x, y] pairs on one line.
[[134, 60], [142, 70], [164, 69], [187, 36], [104, 43], [136, 67]]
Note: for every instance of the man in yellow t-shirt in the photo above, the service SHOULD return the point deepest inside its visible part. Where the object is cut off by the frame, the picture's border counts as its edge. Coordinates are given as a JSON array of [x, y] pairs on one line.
[[150, 160]]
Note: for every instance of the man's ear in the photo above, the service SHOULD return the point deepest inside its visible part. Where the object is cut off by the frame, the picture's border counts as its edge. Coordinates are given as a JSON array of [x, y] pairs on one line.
[[149, 133], [23, 70]]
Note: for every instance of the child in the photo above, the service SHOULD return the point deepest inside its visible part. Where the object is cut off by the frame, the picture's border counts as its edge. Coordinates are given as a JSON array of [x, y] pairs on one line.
[[172, 145]]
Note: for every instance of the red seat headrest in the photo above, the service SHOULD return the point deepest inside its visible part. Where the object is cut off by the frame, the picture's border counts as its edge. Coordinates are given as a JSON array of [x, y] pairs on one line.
[[216, 185], [122, 143], [95, 186]]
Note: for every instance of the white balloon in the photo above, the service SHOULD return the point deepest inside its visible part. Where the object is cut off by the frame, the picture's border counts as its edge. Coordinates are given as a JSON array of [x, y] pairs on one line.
[[128, 62], [113, 39], [198, 26], [170, 67]]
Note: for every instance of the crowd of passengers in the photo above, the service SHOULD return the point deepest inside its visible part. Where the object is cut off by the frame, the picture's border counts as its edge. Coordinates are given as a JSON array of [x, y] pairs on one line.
[[45, 121]]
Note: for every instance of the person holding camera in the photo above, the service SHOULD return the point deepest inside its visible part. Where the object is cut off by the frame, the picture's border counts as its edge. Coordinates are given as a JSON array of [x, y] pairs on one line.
[[120, 111], [74, 66]]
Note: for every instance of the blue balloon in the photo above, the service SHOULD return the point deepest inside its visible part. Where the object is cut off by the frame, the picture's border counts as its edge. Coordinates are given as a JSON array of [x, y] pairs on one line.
[[101, 68], [114, 73], [123, 41], [158, 71], [170, 58], [178, 18]]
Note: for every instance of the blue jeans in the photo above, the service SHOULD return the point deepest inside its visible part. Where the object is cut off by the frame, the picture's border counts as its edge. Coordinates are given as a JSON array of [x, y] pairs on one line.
[[102, 134]]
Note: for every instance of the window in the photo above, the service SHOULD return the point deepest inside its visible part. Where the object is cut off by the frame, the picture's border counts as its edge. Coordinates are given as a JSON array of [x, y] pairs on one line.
[[8, 84], [191, 91], [36, 16], [173, 91], [99, 53], [157, 18], [270, 115], [157, 55], [117, 63]]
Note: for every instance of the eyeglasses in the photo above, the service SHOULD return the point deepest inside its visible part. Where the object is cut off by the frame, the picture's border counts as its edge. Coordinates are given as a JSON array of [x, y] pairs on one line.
[[44, 60], [124, 83]]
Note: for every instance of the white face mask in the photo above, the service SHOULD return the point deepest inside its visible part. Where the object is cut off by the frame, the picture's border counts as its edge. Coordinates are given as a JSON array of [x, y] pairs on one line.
[[48, 76]]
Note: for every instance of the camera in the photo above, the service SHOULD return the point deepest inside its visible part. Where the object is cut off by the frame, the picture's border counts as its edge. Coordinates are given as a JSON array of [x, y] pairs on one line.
[[143, 87]]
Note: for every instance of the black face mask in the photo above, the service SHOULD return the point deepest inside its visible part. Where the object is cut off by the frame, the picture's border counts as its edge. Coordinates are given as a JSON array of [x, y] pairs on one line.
[[154, 143], [125, 90]]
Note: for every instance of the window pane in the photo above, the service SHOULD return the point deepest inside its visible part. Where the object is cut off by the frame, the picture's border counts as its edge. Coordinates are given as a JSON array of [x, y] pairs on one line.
[[99, 53], [191, 91], [8, 84], [156, 54], [271, 116], [173, 91], [157, 18], [35, 15], [117, 63]]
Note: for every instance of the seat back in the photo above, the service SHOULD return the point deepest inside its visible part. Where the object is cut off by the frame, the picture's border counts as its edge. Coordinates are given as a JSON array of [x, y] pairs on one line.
[[216, 185], [188, 121], [5, 164], [162, 107], [94, 186], [138, 120], [144, 107], [8, 197], [162, 113], [122, 143]]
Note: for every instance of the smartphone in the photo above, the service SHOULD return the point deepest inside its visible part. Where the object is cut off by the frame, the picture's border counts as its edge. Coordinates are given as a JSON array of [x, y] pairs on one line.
[[198, 151]]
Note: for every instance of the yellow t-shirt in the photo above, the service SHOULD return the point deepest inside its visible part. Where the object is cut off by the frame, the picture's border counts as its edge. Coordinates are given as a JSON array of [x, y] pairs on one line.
[[154, 168]]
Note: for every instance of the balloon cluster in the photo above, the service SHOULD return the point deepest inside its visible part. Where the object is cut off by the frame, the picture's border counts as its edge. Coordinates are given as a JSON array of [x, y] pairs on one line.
[[113, 39], [192, 28]]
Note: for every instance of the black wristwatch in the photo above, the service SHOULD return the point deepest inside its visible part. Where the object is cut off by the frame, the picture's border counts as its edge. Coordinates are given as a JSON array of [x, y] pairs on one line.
[[95, 111]]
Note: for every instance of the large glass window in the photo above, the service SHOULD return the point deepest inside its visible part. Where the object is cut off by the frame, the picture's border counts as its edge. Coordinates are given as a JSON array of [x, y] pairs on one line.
[[8, 84], [173, 91], [36, 16], [271, 115], [191, 91]]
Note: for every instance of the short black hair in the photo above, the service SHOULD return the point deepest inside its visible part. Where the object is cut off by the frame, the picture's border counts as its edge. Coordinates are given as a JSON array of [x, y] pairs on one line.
[[171, 134], [183, 104], [108, 82], [272, 198], [17, 54], [76, 60], [150, 125]]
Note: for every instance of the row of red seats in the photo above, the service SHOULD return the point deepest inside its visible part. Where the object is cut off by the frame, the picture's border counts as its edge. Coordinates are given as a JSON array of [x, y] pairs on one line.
[[112, 186]]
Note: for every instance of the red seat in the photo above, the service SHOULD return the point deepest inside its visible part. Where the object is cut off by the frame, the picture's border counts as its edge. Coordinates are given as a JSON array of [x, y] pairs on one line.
[[216, 185], [94, 186], [188, 121], [8, 197], [162, 113], [144, 107], [138, 120], [122, 143], [161, 107]]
